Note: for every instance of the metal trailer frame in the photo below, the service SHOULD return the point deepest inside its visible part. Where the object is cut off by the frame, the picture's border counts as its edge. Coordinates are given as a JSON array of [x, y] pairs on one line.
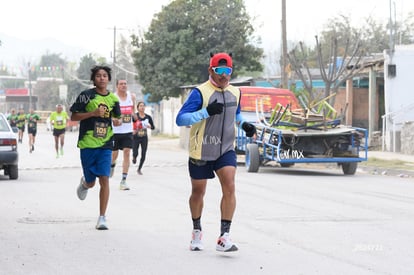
[[271, 151]]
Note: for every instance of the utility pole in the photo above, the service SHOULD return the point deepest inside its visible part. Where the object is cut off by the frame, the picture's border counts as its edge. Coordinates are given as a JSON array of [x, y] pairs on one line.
[[114, 63], [115, 68], [30, 87], [284, 47], [391, 29]]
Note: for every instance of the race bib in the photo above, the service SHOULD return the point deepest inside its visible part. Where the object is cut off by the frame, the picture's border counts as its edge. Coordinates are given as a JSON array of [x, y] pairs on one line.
[[31, 124], [141, 132], [59, 122], [126, 118], [100, 130]]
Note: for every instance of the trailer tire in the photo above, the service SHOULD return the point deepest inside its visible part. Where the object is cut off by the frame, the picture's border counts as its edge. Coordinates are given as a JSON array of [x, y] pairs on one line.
[[349, 168], [252, 157]]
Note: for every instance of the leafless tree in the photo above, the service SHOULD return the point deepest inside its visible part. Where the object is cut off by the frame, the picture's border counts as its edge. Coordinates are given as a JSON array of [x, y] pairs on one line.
[[334, 72]]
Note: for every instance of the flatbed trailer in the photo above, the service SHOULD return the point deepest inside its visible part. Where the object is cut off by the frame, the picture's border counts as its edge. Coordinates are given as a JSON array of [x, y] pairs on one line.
[[344, 145]]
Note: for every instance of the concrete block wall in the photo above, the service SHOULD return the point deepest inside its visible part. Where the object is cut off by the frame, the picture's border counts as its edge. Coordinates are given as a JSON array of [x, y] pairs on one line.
[[360, 106], [407, 138], [168, 111]]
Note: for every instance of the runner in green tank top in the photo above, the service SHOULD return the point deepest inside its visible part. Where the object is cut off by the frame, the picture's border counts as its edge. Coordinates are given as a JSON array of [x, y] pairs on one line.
[[32, 119], [59, 119], [12, 118], [21, 123]]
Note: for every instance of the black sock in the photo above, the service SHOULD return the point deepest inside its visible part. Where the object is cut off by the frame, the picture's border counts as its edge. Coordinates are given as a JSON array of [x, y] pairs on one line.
[[225, 227], [124, 176], [197, 223]]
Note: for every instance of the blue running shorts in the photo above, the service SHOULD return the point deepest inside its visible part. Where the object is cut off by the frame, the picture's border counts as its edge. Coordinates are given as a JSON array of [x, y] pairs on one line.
[[95, 163], [205, 169]]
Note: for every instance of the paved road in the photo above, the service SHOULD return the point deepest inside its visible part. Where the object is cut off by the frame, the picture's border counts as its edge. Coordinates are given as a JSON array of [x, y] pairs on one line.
[[288, 221]]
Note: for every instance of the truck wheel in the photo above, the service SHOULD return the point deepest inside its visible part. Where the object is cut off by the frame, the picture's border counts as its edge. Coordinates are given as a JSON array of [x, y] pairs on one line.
[[252, 157], [13, 172], [349, 168]]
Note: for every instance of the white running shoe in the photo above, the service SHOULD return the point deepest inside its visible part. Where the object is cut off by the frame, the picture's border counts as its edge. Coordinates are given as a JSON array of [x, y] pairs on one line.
[[101, 225], [123, 185], [196, 244], [224, 244], [82, 191]]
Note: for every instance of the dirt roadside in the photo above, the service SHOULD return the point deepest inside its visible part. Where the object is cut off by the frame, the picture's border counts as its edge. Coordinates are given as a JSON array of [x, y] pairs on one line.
[[388, 167]]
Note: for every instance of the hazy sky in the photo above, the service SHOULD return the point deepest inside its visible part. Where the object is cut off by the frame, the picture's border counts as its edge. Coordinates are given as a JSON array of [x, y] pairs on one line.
[[90, 23]]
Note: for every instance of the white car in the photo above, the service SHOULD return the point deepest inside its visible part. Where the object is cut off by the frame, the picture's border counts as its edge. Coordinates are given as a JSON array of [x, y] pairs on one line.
[[9, 155]]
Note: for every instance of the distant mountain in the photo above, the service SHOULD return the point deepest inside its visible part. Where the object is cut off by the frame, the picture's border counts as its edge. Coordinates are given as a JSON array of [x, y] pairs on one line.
[[16, 52]]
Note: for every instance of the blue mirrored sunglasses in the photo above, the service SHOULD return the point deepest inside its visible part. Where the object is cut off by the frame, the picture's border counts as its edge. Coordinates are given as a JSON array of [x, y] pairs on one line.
[[223, 70]]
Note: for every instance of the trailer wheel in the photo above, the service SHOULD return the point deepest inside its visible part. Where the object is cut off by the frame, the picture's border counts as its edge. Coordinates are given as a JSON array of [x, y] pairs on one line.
[[349, 168], [252, 157]]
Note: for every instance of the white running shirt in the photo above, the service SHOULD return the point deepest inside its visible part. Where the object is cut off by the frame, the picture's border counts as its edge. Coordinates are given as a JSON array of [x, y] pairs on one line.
[[127, 110]]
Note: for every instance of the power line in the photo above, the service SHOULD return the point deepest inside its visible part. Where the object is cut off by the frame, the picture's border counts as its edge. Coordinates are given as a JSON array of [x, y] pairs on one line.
[[80, 81], [125, 70]]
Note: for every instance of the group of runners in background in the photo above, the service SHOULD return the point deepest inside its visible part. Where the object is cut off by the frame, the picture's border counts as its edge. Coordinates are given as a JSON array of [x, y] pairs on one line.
[[20, 119], [130, 135], [58, 120]]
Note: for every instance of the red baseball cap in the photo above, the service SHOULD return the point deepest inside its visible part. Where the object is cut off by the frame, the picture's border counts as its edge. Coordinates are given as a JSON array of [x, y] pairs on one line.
[[221, 59]]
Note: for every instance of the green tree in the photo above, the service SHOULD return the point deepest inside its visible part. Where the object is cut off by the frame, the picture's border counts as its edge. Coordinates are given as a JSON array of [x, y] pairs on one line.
[[55, 64], [175, 51], [87, 62], [47, 88]]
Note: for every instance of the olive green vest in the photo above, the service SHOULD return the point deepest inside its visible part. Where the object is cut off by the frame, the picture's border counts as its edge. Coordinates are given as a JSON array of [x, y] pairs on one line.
[[214, 136]]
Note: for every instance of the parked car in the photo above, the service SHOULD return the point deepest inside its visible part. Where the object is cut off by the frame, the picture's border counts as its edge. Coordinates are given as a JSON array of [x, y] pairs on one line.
[[9, 156]]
